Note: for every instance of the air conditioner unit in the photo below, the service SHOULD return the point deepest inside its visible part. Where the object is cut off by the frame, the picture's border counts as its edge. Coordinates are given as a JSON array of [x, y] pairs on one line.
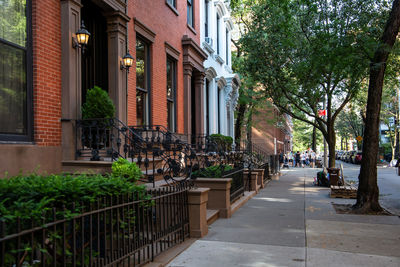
[[209, 41]]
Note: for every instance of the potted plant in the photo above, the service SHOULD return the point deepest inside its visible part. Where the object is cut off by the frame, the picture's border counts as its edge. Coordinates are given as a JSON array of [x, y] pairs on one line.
[[98, 105], [97, 114]]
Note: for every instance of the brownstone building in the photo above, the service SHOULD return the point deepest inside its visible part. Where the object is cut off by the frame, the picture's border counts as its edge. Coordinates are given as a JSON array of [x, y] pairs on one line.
[[44, 74]]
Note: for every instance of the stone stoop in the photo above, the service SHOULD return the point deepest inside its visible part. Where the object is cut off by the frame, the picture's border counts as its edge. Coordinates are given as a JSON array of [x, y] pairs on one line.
[[212, 216], [86, 166]]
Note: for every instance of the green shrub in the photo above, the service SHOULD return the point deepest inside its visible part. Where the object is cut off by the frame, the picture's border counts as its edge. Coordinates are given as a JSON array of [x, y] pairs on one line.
[[225, 142], [123, 168], [212, 171], [34, 196], [98, 105]]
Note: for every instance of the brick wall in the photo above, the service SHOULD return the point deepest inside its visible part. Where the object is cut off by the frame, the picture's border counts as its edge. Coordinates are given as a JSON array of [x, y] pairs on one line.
[[46, 32], [264, 130], [169, 27]]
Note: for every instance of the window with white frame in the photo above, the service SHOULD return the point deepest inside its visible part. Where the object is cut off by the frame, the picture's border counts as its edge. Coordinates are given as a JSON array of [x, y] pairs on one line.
[[172, 3], [227, 47], [218, 19], [205, 18]]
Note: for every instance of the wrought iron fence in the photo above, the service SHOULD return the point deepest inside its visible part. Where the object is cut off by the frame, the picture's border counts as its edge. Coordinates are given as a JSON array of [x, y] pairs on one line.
[[114, 231], [237, 185], [157, 152]]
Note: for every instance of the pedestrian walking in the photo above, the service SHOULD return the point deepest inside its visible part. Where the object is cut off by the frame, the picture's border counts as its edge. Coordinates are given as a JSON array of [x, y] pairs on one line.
[[297, 157], [302, 159], [313, 158]]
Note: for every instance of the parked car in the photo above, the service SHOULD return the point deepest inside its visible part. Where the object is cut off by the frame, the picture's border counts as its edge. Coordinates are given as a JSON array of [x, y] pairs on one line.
[[344, 156], [358, 157], [352, 156]]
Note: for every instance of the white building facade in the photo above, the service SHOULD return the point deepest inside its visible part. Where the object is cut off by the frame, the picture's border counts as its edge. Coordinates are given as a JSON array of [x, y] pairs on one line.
[[221, 86]]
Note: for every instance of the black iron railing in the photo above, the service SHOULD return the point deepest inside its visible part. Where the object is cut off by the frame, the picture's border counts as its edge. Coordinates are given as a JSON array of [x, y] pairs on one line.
[[114, 231], [156, 152], [237, 185]]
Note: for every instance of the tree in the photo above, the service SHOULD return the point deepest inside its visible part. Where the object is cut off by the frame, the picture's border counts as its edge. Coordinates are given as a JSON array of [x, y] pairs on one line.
[[248, 98], [303, 53], [303, 136], [368, 191], [350, 123]]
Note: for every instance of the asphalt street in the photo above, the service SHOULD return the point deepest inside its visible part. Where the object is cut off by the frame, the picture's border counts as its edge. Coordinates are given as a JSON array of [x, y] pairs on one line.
[[388, 183]]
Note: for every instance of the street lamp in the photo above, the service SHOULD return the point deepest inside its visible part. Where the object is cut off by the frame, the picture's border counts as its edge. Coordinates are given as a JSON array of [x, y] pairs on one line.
[[127, 62], [81, 39]]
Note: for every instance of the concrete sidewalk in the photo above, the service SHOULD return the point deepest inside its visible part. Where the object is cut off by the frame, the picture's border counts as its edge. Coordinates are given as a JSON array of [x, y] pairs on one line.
[[293, 223]]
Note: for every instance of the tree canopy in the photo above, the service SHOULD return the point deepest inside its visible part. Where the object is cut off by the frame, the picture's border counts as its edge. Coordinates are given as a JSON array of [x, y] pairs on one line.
[[302, 53]]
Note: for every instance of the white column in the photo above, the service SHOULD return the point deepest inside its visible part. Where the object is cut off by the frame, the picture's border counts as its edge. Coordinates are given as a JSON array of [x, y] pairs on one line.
[[213, 106]]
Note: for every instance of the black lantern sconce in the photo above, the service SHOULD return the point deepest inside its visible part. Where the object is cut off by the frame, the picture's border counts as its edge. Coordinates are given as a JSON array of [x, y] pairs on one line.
[[81, 39], [127, 62]]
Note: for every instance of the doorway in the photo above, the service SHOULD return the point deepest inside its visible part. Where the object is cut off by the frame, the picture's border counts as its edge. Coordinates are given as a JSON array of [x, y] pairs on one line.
[[95, 57]]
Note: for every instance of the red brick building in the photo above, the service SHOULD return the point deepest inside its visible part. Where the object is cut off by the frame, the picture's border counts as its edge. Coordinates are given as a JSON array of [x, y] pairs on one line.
[[30, 86], [271, 131], [44, 76]]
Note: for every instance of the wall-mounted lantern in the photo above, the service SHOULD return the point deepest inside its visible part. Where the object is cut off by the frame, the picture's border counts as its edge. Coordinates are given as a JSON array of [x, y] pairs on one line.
[[81, 39], [127, 62]]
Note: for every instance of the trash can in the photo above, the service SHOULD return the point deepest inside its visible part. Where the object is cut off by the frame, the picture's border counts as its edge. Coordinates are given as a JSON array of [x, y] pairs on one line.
[[333, 176]]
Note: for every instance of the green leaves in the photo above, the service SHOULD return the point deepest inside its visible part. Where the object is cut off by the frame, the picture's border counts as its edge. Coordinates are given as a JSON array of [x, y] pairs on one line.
[[34, 196], [122, 168], [98, 105], [212, 171]]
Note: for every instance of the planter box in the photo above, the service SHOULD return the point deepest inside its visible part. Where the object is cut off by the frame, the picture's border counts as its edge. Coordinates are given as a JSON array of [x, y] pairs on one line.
[[219, 194], [260, 177], [254, 186]]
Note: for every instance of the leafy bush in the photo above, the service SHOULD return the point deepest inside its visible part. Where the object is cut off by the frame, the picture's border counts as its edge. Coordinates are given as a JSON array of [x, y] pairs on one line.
[[98, 104], [225, 142], [34, 196], [212, 171], [123, 168]]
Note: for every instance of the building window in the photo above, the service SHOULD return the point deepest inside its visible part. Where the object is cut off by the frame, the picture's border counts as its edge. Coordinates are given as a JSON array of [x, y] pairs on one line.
[[227, 47], [217, 34], [172, 3], [219, 109], [142, 81], [171, 94], [206, 18], [15, 71], [190, 19]]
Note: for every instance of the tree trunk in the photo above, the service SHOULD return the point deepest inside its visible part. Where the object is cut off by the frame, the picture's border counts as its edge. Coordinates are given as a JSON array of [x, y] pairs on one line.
[[314, 139], [331, 140], [368, 191], [239, 122]]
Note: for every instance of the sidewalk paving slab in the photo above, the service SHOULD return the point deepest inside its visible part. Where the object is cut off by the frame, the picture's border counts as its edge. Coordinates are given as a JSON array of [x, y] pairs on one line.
[[293, 223], [225, 254]]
